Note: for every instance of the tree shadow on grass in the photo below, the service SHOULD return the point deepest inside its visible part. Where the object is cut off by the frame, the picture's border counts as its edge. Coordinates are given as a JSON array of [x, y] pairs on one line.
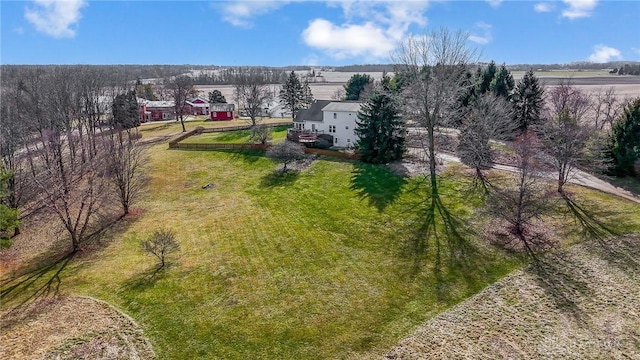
[[38, 283], [248, 156], [376, 183], [622, 252], [556, 275], [279, 178], [440, 238], [147, 278], [588, 219], [45, 279]]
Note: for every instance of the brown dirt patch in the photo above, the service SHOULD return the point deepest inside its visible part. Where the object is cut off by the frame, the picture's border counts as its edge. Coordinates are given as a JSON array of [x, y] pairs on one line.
[[580, 304], [71, 328]]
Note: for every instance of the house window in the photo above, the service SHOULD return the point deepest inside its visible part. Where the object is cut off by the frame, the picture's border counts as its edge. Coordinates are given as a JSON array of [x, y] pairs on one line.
[[214, 114], [335, 140], [346, 128], [348, 140], [228, 114], [335, 116], [332, 128]]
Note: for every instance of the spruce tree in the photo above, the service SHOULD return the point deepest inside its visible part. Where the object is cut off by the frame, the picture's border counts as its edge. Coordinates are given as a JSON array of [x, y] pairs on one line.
[[125, 111], [216, 97], [356, 84], [502, 83], [381, 130], [528, 101], [292, 94], [624, 148]]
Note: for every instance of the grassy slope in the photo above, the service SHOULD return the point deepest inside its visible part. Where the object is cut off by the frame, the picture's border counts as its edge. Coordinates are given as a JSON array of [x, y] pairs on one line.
[[307, 266], [301, 267]]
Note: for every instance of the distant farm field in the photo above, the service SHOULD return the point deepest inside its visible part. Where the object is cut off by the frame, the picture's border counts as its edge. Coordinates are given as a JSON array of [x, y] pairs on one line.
[[625, 86]]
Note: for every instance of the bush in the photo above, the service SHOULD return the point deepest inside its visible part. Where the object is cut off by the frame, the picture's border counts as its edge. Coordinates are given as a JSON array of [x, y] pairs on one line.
[[321, 144]]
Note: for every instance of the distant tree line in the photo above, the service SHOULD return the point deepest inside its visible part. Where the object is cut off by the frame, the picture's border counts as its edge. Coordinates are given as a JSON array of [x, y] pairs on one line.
[[233, 75]]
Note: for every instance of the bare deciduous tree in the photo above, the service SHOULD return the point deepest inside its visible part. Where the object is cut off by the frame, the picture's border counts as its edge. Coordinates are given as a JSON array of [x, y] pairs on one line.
[[563, 131], [180, 90], [520, 204], [488, 118], [125, 166], [74, 189], [433, 66], [252, 94], [605, 106]]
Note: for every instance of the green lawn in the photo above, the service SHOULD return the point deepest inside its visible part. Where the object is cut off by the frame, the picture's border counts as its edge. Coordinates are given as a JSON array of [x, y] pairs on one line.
[[319, 265], [235, 137]]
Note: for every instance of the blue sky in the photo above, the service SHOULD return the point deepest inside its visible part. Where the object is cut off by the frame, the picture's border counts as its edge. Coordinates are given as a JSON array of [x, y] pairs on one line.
[[279, 33]]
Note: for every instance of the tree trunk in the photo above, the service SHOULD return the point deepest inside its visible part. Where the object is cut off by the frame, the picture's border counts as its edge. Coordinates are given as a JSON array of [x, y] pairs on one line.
[[182, 123]]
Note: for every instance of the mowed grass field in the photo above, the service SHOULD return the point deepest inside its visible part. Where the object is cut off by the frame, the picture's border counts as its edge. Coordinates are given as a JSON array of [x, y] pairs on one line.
[[317, 265], [278, 134]]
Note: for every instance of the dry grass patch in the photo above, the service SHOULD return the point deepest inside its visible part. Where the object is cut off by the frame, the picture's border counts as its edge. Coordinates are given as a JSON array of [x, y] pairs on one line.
[[580, 304], [71, 328]]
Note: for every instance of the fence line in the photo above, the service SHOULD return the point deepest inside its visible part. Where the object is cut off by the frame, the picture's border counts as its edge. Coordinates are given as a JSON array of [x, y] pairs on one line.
[[218, 146], [201, 130]]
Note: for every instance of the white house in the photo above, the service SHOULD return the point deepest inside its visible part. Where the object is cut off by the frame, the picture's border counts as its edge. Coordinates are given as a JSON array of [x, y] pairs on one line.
[[335, 118]]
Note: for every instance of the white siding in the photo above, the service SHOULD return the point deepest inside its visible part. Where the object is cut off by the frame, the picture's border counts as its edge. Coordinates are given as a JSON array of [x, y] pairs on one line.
[[345, 123]]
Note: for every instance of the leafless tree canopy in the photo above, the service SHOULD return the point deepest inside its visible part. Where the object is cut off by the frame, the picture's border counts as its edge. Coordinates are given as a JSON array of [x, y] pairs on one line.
[[160, 244], [252, 94], [523, 200], [564, 130], [51, 141], [432, 66], [487, 118], [180, 90]]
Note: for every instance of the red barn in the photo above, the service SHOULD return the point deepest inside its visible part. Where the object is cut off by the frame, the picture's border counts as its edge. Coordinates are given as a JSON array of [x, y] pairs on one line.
[[156, 110], [221, 111], [198, 106]]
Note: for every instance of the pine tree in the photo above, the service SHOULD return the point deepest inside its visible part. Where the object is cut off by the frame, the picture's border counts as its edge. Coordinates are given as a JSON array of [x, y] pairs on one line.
[[125, 111], [216, 97], [528, 101], [380, 130], [624, 148], [486, 77], [292, 94], [502, 83], [356, 84]]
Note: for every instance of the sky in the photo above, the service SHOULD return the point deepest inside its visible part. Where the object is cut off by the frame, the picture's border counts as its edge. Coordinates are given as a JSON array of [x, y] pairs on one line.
[[329, 33]]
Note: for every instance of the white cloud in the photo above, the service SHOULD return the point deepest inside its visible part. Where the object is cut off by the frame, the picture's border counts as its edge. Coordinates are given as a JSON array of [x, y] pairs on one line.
[[241, 13], [483, 38], [494, 3], [543, 7], [603, 54], [55, 17], [579, 8], [348, 40], [371, 28]]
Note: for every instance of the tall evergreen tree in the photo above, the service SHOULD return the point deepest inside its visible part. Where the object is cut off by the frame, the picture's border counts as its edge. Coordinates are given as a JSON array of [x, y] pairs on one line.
[[292, 94], [356, 84], [381, 130], [502, 83], [486, 77], [125, 111], [216, 97], [528, 101], [624, 148]]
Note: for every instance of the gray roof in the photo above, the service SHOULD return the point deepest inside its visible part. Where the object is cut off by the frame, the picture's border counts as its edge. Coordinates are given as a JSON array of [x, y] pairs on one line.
[[343, 106], [313, 113]]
